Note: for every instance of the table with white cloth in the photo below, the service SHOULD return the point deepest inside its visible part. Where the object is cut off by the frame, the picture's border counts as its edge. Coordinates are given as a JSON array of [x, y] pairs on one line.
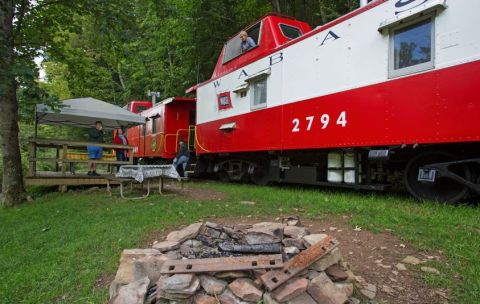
[[146, 173]]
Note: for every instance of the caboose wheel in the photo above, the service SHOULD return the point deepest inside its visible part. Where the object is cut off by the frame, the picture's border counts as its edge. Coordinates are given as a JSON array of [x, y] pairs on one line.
[[223, 176], [442, 189], [260, 175]]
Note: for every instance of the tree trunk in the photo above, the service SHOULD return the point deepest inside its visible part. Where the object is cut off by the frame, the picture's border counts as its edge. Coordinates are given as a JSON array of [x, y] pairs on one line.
[[276, 6], [323, 15], [120, 76], [12, 185]]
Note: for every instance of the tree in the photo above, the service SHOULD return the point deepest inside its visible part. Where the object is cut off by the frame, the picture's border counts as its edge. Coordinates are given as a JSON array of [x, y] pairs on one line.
[[129, 47], [27, 30], [276, 6], [12, 183]]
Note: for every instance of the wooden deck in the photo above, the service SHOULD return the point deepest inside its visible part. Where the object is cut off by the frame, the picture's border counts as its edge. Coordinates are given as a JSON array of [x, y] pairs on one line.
[[65, 155]]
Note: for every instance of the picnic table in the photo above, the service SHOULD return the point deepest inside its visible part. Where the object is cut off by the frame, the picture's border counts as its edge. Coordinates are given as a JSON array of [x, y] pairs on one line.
[[145, 173]]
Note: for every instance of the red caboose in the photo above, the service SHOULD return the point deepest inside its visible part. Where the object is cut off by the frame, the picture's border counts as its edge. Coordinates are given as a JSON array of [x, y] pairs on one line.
[[383, 97], [167, 122]]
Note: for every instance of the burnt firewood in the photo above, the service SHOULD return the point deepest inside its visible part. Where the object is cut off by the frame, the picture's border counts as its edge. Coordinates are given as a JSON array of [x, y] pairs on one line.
[[260, 248]]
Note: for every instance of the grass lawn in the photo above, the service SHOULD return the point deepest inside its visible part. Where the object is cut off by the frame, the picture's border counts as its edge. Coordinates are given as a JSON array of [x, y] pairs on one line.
[[54, 250]]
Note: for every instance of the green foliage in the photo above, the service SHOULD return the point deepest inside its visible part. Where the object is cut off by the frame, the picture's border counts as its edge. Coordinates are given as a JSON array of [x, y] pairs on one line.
[[123, 48], [38, 29], [56, 84], [126, 48]]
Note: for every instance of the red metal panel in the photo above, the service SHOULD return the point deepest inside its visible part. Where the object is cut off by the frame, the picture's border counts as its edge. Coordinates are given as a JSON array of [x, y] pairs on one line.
[[177, 124], [154, 141], [134, 136], [435, 107], [171, 127], [259, 130]]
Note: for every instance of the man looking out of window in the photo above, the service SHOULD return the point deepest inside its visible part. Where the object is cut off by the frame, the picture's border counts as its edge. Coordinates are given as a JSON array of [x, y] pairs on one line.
[[247, 42]]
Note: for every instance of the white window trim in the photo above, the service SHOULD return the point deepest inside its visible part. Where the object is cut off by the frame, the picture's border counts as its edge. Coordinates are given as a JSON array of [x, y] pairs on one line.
[[392, 73]]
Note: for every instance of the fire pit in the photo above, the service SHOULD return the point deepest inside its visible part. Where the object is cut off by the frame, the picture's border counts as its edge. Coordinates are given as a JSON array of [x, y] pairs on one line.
[[208, 263]]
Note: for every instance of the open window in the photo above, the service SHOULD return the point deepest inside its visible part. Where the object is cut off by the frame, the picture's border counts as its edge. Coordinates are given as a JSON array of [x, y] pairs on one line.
[[291, 32], [224, 101], [233, 47], [412, 47]]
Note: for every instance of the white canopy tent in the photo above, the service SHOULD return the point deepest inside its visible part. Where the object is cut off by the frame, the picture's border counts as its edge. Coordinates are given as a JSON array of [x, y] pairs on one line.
[[84, 112]]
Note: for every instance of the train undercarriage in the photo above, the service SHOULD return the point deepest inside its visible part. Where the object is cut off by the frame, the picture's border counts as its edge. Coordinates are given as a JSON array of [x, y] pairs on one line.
[[445, 173]]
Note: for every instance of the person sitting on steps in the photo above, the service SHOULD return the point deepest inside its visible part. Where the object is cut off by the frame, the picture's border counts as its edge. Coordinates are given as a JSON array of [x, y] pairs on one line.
[[182, 158]]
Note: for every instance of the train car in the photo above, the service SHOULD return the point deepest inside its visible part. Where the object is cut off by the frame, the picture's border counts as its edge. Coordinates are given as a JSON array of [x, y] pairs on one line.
[[385, 97], [167, 122], [138, 106]]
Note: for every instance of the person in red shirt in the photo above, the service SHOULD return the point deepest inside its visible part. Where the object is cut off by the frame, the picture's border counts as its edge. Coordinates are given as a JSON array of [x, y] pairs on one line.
[[120, 139]]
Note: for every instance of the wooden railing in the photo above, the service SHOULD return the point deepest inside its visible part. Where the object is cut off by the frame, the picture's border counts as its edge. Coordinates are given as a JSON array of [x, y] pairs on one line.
[[63, 156]]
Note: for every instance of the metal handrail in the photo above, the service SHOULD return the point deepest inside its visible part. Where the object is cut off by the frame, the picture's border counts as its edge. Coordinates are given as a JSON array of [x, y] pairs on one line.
[[165, 142], [198, 142]]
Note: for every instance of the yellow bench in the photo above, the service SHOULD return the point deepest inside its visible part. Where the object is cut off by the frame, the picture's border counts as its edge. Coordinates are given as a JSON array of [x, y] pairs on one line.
[[84, 156]]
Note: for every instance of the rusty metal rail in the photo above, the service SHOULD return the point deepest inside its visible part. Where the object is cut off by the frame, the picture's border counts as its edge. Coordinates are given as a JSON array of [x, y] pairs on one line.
[[222, 264], [275, 278]]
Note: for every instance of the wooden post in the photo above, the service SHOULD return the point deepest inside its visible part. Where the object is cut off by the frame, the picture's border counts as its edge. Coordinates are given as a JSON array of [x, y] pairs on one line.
[[57, 164], [64, 157], [31, 163]]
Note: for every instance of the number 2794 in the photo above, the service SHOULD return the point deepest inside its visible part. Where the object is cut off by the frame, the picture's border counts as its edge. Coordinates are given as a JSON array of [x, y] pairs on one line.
[[323, 121]]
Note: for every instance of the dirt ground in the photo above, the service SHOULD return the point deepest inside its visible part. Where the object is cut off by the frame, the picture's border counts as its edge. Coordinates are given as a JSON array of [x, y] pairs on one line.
[[372, 256], [196, 194]]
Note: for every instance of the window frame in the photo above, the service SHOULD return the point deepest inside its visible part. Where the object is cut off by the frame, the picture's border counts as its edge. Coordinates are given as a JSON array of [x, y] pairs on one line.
[[297, 28], [154, 124], [219, 98], [141, 108], [421, 67], [263, 105], [258, 42]]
